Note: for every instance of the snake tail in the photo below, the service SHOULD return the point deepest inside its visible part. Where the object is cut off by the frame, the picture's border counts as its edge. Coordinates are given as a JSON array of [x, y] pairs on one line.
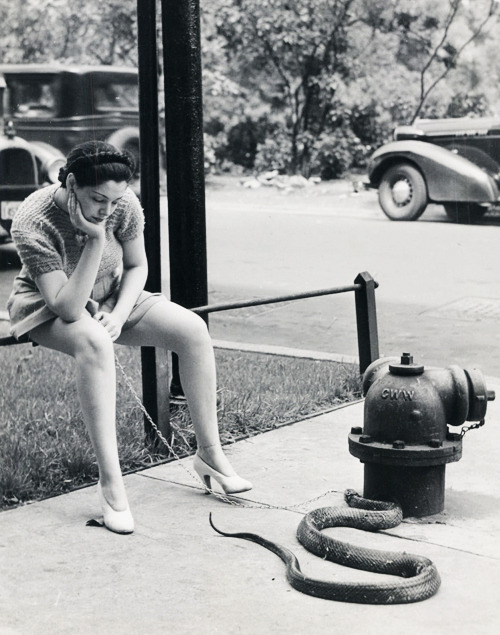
[[416, 578], [285, 554]]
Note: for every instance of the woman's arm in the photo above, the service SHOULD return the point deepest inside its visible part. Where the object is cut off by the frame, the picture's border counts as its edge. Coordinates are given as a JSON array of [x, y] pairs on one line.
[[67, 297], [135, 271]]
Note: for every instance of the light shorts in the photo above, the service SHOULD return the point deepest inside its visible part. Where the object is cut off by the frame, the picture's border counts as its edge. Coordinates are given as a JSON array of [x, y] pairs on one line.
[[144, 302]]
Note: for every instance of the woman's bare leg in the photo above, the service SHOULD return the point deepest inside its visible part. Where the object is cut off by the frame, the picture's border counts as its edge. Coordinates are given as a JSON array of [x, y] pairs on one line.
[[168, 325], [92, 349]]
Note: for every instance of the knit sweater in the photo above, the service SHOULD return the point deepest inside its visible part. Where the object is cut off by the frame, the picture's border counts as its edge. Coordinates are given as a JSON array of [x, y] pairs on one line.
[[47, 241]]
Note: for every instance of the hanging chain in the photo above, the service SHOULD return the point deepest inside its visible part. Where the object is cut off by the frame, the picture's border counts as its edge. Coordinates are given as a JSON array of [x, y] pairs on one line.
[[221, 497], [474, 426]]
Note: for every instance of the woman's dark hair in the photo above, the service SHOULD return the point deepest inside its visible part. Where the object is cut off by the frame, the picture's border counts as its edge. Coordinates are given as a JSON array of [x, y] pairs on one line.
[[95, 162]]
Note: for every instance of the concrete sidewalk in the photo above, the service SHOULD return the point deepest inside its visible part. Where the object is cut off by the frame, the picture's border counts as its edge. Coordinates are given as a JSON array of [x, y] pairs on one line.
[[176, 575]]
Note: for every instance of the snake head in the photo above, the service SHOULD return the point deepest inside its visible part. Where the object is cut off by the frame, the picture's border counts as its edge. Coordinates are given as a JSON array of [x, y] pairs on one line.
[[349, 494]]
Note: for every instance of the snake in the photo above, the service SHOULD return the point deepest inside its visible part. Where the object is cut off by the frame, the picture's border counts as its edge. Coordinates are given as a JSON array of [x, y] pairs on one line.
[[417, 577]]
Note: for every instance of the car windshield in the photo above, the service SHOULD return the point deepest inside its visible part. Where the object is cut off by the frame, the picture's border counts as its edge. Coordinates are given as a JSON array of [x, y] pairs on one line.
[[115, 96], [32, 96]]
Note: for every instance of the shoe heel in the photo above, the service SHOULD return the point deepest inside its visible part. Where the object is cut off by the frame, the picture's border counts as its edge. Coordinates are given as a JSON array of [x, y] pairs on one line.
[[230, 484], [207, 481]]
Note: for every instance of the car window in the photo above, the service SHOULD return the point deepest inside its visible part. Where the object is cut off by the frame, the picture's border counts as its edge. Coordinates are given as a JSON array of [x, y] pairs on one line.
[[32, 96], [115, 96]]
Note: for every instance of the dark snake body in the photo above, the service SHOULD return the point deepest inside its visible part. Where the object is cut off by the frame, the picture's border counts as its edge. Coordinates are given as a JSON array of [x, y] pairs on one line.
[[419, 576]]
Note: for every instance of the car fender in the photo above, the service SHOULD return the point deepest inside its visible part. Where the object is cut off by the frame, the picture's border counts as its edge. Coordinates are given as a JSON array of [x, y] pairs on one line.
[[14, 142], [127, 138], [50, 158], [448, 176], [124, 136]]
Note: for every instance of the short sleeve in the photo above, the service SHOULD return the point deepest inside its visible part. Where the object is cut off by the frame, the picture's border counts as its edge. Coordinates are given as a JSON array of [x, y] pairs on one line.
[[38, 254], [130, 222]]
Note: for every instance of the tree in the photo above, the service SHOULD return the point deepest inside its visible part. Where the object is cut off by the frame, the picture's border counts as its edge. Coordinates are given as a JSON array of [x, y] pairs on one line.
[[433, 42], [294, 55], [333, 76], [76, 31]]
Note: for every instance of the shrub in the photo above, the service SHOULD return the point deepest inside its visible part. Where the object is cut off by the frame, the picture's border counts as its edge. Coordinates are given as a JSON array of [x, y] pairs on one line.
[[243, 140], [274, 153], [467, 105], [338, 151]]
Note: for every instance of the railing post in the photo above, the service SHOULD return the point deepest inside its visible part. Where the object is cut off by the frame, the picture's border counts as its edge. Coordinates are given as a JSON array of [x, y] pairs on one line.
[[366, 320]]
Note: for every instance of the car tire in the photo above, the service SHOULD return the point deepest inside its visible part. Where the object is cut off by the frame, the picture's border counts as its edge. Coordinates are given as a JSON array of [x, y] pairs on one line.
[[464, 213], [402, 192]]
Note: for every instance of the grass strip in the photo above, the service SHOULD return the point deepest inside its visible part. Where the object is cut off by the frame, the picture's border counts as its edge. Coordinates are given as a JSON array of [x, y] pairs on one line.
[[44, 447]]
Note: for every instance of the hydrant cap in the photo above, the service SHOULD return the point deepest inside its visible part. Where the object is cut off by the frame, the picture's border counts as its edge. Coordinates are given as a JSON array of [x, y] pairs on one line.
[[406, 366], [478, 394]]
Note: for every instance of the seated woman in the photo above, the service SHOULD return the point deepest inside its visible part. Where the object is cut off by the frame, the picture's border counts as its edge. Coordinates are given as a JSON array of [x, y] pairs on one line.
[[81, 288]]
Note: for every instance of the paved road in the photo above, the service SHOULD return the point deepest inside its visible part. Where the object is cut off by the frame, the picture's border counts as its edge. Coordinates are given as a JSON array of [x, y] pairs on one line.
[[439, 295]]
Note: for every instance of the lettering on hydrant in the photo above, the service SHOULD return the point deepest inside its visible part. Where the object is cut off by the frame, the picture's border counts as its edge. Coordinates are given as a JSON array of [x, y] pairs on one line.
[[397, 393]]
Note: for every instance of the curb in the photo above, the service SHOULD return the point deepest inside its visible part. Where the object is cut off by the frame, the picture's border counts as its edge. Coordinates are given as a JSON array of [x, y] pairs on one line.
[[285, 351]]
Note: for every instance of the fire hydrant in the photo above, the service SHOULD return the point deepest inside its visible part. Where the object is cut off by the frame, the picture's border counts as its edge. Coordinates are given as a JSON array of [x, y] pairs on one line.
[[406, 441]]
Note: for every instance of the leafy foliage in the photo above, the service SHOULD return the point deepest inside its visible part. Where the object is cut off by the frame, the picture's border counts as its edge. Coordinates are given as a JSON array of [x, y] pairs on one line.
[[308, 86], [330, 79], [467, 105], [80, 31]]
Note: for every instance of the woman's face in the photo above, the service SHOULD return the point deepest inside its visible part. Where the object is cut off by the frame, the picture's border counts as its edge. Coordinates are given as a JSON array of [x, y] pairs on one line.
[[99, 202]]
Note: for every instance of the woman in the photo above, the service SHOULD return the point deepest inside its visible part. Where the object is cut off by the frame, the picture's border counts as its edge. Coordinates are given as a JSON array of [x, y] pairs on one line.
[[81, 288]]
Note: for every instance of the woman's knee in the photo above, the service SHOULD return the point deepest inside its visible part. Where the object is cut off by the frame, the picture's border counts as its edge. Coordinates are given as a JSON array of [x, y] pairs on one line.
[[83, 337], [195, 332], [93, 341]]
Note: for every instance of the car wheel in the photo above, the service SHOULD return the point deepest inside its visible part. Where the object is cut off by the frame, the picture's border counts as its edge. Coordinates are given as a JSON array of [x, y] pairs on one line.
[[402, 192], [464, 213]]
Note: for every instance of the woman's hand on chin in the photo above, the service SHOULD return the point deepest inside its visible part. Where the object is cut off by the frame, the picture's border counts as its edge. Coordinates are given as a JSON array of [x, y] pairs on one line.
[[78, 220]]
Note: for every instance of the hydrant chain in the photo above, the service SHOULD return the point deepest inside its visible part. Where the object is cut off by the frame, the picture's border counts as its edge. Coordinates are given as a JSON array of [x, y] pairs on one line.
[[474, 426]]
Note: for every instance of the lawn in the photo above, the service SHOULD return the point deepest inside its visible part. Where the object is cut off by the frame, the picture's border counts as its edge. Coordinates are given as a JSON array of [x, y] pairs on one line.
[[45, 450]]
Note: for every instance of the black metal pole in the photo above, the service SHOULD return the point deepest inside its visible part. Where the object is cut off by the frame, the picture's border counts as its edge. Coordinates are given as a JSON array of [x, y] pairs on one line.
[[154, 381], [366, 319], [185, 159]]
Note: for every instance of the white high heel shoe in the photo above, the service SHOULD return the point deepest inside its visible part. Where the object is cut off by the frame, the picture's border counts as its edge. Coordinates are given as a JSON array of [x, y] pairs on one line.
[[230, 484], [119, 522]]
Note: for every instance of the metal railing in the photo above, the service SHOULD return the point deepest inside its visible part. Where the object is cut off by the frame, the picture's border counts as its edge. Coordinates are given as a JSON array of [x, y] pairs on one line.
[[366, 315], [366, 322]]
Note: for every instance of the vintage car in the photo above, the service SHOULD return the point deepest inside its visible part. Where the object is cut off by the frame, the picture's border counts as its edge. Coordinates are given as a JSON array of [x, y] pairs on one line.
[[24, 167], [46, 110], [66, 105], [452, 162]]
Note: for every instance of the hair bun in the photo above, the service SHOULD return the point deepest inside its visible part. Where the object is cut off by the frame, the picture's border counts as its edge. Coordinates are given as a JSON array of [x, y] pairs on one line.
[[63, 173]]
